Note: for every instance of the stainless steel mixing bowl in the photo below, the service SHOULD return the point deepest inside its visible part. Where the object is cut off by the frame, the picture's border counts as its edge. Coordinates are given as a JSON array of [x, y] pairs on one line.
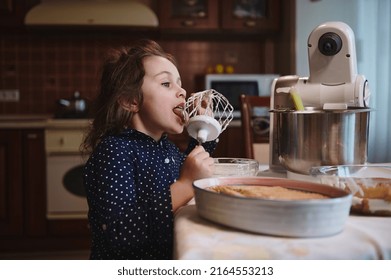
[[317, 137]]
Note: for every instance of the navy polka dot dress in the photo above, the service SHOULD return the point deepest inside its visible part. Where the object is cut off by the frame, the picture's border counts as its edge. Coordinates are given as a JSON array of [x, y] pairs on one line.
[[127, 181]]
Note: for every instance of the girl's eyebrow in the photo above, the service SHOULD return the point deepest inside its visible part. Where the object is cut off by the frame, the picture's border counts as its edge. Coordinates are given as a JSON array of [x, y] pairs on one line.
[[168, 73], [163, 72]]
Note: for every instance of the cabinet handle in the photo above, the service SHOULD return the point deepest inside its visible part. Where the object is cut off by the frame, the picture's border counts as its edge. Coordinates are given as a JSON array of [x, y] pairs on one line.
[[32, 136], [62, 141], [188, 23], [250, 23]]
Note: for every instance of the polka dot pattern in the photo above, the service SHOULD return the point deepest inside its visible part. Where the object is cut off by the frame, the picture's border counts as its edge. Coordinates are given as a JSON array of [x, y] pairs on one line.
[[127, 181]]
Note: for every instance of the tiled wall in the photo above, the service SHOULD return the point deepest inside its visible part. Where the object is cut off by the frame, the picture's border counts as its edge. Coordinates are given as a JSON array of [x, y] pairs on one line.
[[48, 65]]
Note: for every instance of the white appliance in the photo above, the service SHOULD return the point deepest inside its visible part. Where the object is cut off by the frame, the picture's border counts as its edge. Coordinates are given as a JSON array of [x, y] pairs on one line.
[[334, 88], [65, 191], [233, 85]]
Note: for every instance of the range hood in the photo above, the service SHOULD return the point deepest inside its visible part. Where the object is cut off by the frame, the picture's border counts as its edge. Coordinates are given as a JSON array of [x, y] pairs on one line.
[[91, 12]]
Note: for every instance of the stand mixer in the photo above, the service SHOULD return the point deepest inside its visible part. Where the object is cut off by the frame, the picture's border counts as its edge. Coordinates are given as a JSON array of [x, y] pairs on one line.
[[331, 124], [208, 113]]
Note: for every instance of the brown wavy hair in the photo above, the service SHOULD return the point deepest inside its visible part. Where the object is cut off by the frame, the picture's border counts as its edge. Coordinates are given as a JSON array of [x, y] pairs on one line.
[[122, 76]]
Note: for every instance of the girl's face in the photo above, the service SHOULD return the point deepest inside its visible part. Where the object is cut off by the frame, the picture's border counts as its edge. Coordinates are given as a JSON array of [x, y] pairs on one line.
[[164, 99]]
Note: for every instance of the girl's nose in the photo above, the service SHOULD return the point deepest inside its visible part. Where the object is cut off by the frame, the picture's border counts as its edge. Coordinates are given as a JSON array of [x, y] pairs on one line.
[[182, 92]]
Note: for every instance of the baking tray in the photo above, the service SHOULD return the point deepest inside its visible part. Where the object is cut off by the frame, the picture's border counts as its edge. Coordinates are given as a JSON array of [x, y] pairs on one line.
[[290, 218]]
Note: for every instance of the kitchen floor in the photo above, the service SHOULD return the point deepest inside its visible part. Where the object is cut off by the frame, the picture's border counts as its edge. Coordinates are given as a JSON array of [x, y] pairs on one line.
[[55, 255]]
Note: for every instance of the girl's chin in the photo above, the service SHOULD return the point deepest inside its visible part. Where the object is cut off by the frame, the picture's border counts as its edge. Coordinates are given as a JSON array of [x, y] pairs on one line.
[[178, 129]]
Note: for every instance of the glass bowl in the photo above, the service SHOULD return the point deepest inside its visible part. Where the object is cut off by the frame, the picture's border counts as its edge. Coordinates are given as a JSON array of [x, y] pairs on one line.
[[226, 167], [370, 185]]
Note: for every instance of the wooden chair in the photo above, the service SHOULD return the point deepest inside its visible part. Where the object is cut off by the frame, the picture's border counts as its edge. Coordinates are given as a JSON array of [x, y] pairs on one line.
[[255, 146]]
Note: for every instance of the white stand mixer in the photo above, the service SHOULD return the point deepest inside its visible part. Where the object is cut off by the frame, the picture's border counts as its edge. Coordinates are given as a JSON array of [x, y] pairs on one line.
[[321, 119]]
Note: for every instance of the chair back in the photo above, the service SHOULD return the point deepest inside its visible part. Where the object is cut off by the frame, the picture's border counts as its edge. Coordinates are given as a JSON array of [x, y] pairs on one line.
[[251, 131]]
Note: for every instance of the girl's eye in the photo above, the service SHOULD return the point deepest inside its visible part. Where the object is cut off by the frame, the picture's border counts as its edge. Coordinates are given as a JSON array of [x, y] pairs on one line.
[[167, 84]]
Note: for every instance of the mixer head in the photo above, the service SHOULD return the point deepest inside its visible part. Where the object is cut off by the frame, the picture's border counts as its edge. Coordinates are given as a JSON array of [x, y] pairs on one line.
[[332, 54], [333, 83], [208, 113]]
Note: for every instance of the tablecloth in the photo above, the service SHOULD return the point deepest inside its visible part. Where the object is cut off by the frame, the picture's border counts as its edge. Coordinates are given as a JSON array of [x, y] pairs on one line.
[[363, 237]]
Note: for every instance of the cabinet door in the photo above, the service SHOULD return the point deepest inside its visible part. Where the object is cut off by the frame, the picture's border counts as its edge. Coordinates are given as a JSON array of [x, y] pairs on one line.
[[11, 194], [12, 12], [189, 14], [254, 15], [34, 181]]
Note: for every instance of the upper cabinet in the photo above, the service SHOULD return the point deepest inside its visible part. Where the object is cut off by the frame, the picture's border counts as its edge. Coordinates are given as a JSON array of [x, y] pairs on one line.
[[189, 14], [251, 15], [228, 15], [12, 12]]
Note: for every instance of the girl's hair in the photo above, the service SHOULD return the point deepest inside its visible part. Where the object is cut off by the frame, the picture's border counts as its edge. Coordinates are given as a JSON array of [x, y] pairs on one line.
[[121, 80]]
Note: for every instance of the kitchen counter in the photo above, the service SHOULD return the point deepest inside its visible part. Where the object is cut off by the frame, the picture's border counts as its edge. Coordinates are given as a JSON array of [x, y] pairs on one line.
[[40, 121], [23, 121], [68, 123]]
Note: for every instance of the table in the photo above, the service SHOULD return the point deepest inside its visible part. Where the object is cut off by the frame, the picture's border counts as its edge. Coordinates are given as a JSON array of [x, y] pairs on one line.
[[198, 239]]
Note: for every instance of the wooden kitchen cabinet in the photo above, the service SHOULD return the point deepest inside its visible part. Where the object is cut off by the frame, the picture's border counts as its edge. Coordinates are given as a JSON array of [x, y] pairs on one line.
[[189, 14], [34, 182], [11, 200], [218, 15], [22, 183], [24, 225], [255, 15], [12, 12]]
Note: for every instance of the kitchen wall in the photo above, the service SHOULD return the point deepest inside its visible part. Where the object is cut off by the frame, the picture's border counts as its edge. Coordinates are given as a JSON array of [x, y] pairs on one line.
[[309, 14], [48, 64]]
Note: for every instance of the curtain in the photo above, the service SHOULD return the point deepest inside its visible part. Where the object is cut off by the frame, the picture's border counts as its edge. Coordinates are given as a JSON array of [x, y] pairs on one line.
[[374, 61]]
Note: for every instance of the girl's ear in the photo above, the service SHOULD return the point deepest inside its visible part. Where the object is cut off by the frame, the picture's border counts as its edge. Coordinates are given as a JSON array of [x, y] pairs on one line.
[[128, 106]]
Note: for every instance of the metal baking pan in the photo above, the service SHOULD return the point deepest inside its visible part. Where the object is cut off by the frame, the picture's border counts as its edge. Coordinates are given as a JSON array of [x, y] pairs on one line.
[[290, 218]]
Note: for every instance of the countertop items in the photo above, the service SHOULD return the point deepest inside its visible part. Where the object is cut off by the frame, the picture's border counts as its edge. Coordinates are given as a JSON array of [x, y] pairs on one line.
[[198, 239], [369, 183]]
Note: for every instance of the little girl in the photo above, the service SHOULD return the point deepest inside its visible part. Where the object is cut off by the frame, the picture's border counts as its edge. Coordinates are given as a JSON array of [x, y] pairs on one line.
[[135, 178]]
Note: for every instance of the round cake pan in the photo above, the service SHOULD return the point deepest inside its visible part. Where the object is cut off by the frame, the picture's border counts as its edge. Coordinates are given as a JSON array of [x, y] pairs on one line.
[[290, 218]]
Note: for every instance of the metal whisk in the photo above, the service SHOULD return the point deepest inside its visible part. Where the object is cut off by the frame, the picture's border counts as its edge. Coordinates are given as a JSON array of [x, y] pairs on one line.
[[208, 113]]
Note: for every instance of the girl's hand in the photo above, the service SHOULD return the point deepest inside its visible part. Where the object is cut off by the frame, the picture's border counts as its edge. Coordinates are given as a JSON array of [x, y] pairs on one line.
[[197, 165]]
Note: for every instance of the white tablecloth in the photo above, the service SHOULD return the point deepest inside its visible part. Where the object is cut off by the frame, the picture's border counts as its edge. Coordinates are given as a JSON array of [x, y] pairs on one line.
[[198, 239]]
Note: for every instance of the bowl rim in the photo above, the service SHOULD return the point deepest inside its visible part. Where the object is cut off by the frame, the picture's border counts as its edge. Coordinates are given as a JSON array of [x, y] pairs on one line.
[[322, 170], [340, 194], [237, 158]]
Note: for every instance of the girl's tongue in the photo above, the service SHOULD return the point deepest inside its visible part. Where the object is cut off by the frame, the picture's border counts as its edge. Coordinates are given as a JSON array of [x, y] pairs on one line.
[[181, 113]]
